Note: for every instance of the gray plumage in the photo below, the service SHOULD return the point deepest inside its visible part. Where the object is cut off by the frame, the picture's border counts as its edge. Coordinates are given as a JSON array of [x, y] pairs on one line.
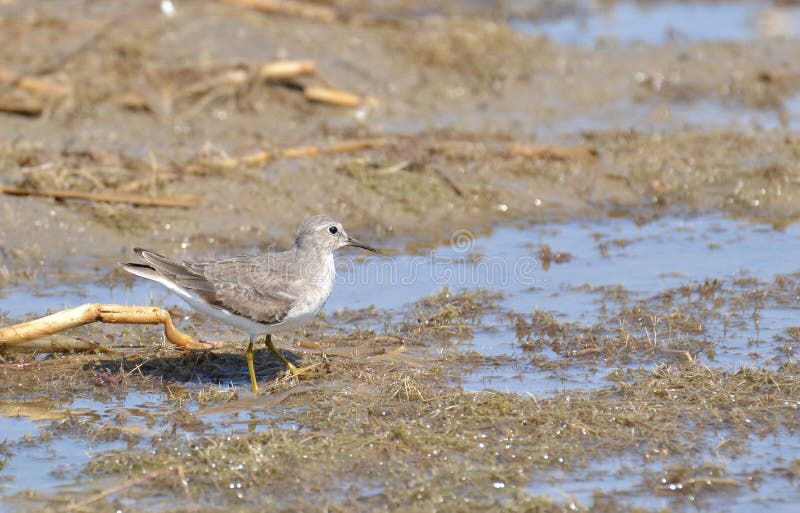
[[261, 294], [269, 289], [256, 287]]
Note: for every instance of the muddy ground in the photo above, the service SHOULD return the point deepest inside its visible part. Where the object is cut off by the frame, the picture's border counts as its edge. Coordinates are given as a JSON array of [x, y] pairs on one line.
[[478, 125]]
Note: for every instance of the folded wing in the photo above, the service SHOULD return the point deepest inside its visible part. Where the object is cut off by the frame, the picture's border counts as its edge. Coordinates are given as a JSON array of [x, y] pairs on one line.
[[254, 287]]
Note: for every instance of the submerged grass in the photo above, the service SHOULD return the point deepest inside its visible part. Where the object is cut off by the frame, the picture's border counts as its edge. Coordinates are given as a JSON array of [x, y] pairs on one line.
[[448, 317], [681, 324], [384, 428], [393, 436]]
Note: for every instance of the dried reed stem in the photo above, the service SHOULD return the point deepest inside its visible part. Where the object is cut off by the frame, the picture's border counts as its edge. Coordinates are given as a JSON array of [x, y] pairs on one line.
[[331, 96], [93, 312], [293, 8], [177, 201], [282, 70], [34, 85], [262, 156]]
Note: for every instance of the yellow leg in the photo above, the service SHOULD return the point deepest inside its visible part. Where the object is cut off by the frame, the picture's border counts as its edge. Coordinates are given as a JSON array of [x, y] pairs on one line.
[[294, 370], [249, 355]]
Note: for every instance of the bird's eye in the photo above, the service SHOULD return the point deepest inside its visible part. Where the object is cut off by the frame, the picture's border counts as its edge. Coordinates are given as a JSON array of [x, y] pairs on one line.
[[334, 230]]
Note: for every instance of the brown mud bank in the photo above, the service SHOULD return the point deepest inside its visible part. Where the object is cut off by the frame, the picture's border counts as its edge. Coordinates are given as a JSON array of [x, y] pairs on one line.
[[451, 98], [419, 188]]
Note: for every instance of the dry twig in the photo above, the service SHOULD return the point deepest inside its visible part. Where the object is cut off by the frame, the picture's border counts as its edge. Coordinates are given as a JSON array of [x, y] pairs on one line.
[[283, 70], [293, 8], [34, 84], [177, 201], [93, 312], [260, 157], [331, 96], [22, 104]]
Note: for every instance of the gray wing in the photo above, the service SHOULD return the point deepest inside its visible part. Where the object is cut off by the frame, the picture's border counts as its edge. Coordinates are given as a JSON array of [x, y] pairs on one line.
[[259, 288]]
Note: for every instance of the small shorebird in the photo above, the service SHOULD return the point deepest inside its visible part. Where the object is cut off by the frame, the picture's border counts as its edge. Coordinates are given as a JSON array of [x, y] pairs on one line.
[[260, 295]]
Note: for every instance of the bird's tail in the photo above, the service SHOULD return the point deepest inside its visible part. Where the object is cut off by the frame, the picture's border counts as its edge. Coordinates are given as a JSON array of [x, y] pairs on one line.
[[143, 270]]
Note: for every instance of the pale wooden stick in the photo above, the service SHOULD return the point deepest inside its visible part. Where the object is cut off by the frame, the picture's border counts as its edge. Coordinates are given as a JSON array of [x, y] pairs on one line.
[[259, 157], [27, 106], [34, 85], [93, 312], [337, 147], [331, 96], [290, 8], [282, 70], [178, 201], [394, 168]]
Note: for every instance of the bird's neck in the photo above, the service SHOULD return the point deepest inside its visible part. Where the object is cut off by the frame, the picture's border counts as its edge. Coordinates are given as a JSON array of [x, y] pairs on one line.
[[315, 264]]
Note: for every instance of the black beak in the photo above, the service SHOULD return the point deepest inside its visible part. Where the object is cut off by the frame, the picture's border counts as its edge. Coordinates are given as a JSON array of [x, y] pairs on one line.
[[358, 244]]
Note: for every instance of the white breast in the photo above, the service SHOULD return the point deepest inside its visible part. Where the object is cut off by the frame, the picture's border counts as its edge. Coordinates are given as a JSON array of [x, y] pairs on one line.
[[319, 291]]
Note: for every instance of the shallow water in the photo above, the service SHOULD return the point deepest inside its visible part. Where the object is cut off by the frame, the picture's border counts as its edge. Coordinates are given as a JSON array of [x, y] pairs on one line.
[[643, 259], [629, 479], [43, 463], [664, 22]]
